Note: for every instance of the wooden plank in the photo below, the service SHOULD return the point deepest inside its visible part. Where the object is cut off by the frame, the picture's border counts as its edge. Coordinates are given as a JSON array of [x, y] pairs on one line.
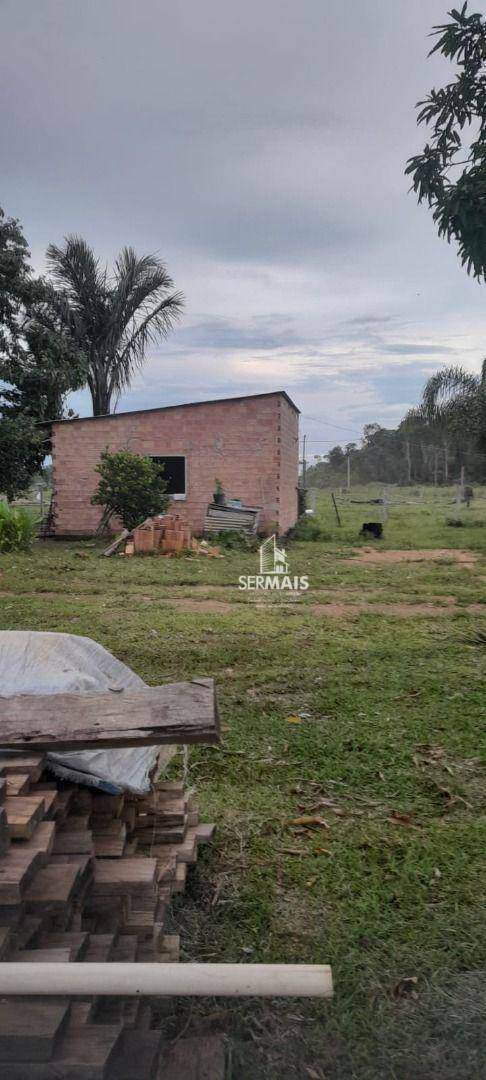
[[205, 833], [5, 938], [4, 832], [29, 1030], [109, 847], [18, 784], [42, 956], [23, 814], [176, 713], [75, 842], [86, 1052], [76, 942], [42, 838], [52, 886], [131, 876], [137, 1055], [17, 869], [32, 764]]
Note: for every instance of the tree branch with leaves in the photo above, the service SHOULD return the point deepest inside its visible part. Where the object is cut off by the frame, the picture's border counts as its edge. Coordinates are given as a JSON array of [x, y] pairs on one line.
[[456, 117]]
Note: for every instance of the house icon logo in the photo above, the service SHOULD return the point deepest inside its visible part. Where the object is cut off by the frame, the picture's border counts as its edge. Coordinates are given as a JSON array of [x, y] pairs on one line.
[[273, 560], [274, 573]]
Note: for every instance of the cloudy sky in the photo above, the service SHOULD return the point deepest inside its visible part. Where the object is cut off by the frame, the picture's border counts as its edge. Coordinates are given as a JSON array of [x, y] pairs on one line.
[[259, 147]]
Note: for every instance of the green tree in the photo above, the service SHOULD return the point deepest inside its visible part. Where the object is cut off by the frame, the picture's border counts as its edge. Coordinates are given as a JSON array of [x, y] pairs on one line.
[[113, 318], [39, 364], [131, 487], [454, 400], [450, 173], [22, 449]]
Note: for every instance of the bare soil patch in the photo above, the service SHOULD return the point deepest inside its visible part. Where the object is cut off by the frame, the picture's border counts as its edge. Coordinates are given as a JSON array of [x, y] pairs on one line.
[[374, 556]]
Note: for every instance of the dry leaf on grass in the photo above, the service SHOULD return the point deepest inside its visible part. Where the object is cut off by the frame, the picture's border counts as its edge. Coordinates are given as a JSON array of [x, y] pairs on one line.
[[402, 819], [295, 720], [314, 1074], [310, 821]]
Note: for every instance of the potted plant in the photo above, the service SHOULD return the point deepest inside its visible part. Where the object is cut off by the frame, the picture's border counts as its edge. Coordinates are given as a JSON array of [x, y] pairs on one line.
[[219, 496]]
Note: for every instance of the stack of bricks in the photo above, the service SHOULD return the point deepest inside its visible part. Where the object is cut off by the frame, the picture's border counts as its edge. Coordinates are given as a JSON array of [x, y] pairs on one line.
[[86, 876], [165, 534]]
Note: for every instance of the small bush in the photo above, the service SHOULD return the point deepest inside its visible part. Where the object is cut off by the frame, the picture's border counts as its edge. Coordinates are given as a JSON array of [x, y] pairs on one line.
[[131, 486], [307, 528], [234, 540], [17, 528]]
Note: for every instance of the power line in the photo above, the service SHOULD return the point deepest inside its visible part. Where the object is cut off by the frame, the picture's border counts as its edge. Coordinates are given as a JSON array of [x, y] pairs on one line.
[[353, 431]]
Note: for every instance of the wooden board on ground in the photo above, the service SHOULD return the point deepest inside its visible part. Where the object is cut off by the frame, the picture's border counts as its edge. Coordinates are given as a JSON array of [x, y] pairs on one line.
[[176, 713]]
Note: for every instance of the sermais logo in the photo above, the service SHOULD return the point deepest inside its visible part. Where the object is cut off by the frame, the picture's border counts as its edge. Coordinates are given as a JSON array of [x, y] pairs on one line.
[[274, 571]]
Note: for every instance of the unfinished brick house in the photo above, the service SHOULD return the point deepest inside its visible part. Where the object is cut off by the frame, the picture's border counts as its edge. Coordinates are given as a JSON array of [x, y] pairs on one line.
[[251, 444]]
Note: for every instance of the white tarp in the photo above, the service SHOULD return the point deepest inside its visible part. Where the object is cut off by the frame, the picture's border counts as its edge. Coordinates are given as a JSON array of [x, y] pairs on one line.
[[46, 663]]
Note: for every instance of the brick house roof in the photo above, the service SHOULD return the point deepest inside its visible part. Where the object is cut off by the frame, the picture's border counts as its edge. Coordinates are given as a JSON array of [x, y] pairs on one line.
[[183, 405]]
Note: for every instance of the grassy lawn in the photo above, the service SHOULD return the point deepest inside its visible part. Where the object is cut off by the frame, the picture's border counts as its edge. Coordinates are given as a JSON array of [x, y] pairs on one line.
[[385, 749]]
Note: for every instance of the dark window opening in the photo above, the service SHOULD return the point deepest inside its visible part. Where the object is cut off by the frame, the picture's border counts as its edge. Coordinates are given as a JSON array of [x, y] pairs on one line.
[[174, 473]]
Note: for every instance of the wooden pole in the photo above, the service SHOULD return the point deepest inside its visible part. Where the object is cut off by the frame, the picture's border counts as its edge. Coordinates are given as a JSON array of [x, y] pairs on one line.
[[176, 980], [348, 464], [336, 509], [304, 463]]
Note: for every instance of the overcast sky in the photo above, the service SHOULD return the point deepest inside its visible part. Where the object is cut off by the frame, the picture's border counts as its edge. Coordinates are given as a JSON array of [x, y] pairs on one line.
[[259, 147]]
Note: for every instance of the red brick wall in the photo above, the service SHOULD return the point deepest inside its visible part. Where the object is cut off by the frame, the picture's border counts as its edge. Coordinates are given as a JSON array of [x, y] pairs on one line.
[[289, 465], [249, 444]]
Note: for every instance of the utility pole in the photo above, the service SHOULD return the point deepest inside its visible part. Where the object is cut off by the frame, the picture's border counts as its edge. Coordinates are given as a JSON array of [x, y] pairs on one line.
[[304, 463], [446, 463], [348, 464], [435, 466]]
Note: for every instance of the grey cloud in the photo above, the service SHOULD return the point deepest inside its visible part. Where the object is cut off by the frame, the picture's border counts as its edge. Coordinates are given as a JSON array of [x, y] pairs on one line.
[[260, 148], [417, 350]]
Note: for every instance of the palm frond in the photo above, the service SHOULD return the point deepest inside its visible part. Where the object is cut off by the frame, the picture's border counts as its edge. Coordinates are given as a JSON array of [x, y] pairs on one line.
[[449, 387], [114, 319]]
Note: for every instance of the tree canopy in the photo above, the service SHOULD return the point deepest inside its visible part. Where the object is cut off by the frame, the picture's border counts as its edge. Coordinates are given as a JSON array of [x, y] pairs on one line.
[[112, 318], [450, 173], [39, 363]]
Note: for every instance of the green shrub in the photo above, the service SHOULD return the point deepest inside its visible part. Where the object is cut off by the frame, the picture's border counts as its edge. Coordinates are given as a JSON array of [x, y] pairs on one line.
[[131, 486], [17, 528], [307, 528], [234, 540]]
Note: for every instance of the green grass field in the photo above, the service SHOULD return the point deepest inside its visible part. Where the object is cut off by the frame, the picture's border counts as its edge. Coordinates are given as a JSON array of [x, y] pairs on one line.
[[381, 667]]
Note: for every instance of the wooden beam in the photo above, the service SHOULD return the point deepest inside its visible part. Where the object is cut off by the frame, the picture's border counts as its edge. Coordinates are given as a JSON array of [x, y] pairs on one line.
[[154, 980], [176, 713]]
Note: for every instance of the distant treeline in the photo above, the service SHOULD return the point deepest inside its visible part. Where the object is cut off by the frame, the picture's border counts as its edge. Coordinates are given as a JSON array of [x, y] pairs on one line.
[[416, 452]]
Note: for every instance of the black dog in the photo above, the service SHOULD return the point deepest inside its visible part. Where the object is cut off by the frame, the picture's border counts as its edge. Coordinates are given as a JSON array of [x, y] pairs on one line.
[[372, 528]]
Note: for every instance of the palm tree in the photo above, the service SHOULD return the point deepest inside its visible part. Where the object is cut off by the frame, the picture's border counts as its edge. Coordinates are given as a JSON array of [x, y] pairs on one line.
[[455, 399], [113, 318]]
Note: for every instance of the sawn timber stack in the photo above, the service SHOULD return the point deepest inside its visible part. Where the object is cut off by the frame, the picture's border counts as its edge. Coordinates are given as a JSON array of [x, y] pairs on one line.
[[89, 878]]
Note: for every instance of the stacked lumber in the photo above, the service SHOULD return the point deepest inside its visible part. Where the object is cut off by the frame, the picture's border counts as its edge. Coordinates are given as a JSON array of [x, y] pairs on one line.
[[87, 877]]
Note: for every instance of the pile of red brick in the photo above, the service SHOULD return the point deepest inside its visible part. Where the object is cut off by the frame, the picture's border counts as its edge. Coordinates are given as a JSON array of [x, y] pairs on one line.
[[165, 533]]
